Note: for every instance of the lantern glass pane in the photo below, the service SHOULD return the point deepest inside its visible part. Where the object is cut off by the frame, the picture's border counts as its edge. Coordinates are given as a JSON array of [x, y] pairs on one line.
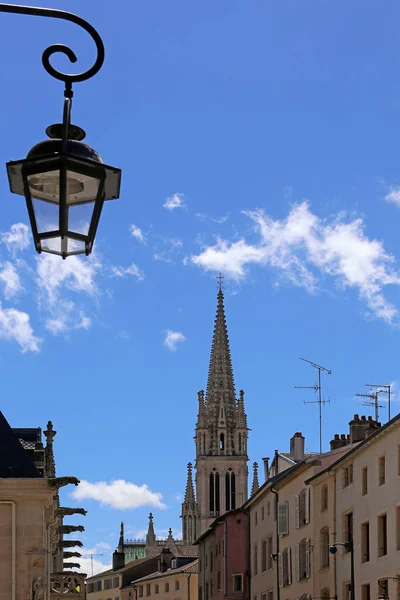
[[46, 215], [54, 245], [80, 188], [79, 217]]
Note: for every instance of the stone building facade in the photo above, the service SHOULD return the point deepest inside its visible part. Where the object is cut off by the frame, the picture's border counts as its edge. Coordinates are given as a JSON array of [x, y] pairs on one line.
[[33, 554]]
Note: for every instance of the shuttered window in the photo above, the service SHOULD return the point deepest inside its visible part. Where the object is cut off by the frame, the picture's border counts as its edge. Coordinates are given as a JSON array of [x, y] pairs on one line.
[[283, 518]]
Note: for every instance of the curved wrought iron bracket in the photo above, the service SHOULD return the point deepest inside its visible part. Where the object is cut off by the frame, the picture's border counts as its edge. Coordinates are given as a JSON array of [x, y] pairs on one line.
[[68, 78]]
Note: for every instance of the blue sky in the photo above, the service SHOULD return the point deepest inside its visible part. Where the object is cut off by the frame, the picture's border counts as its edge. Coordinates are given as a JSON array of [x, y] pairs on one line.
[[260, 139]]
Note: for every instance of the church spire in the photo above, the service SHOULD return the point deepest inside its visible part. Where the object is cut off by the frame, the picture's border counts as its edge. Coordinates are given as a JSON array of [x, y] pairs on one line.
[[220, 375], [151, 536], [256, 484], [121, 538], [189, 493]]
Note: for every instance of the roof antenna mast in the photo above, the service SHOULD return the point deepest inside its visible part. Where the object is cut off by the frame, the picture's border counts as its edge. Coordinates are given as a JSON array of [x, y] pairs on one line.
[[374, 397], [384, 389], [317, 388]]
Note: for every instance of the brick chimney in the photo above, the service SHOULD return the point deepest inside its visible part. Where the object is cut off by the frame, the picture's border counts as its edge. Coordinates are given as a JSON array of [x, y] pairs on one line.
[[357, 429], [297, 446]]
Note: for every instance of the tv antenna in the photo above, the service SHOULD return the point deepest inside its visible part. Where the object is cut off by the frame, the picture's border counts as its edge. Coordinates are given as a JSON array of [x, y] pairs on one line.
[[374, 396], [91, 558], [385, 389], [317, 388]]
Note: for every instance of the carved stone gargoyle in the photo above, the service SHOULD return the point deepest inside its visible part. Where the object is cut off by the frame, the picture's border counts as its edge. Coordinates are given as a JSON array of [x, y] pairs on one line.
[[71, 544], [71, 554], [70, 528], [58, 482], [68, 565], [63, 511]]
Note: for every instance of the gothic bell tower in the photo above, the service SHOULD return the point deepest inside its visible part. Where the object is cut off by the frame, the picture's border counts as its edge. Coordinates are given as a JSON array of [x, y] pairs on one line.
[[221, 434]]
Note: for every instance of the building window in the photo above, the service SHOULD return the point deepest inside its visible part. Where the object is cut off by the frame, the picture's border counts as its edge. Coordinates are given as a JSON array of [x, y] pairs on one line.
[[262, 513], [364, 481], [156, 589], [90, 587], [269, 552], [214, 492], [211, 561], [365, 592], [140, 591], [263, 556], [398, 528], [255, 518], [238, 582], [303, 559], [365, 542], [302, 508], [283, 518], [176, 585], [286, 567], [218, 581], [98, 586], [211, 588], [347, 591], [270, 595], [348, 528], [115, 582], [347, 475], [255, 559], [230, 490], [325, 549], [263, 596], [382, 535], [325, 594], [107, 584], [148, 589], [324, 498], [200, 593], [381, 470], [206, 592], [268, 508], [222, 442]]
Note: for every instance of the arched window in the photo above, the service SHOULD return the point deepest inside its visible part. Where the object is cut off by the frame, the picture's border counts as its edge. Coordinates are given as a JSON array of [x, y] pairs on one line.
[[324, 498], [325, 594], [184, 528], [230, 490], [212, 491], [217, 494], [190, 529], [240, 442], [222, 442], [286, 574], [324, 548], [304, 559]]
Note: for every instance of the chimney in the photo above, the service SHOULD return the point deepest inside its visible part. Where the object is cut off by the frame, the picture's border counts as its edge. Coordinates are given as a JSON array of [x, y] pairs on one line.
[[357, 429], [339, 441], [297, 446], [118, 560], [162, 562], [266, 468]]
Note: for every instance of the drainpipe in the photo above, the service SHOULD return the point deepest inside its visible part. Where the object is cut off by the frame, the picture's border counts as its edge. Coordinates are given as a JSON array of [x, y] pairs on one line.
[[334, 534], [278, 589], [225, 538], [13, 545]]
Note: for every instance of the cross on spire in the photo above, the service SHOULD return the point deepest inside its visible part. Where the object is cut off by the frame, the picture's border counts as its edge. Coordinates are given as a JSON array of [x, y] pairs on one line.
[[220, 280]]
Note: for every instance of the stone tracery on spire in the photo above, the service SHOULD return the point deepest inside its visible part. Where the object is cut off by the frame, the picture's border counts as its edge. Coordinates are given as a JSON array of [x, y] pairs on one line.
[[189, 492]]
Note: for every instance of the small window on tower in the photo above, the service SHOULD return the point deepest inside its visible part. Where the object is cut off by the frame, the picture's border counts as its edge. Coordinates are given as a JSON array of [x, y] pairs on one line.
[[222, 442]]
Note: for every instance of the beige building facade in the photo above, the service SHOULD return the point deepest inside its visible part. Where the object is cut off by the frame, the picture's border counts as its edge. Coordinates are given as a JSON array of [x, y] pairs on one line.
[[179, 582]]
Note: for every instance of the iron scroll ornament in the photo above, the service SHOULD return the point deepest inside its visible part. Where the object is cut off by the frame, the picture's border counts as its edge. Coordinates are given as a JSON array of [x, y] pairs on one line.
[[68, 78]]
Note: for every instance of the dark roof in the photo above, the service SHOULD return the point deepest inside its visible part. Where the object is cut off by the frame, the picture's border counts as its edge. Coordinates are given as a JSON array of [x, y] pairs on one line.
[[356, 447], [14, 460], [28, 436], [192, 567]]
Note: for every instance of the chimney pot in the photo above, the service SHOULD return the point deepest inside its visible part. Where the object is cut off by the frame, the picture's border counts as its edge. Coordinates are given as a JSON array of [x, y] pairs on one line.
[[363, 418], [356, 417], [336, 436], [342, 436]]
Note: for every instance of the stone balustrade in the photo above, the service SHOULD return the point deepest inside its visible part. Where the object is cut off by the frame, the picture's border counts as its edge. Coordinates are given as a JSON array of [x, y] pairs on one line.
[[67, 584]]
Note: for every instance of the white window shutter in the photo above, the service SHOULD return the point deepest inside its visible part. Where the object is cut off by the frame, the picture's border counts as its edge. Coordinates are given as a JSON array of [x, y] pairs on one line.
[[308, 558], [297, 511], [283, 518], [290, 565], [307, 505], [280, 568], [297, 561]]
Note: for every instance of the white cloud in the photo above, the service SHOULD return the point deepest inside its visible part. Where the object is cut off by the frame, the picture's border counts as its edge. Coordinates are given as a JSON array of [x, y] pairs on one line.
[[170, 247], [172, 338], [219, 220], [303, 246], [175, 201], [393, 196], [10, 279], [132, 270], [15, 325], [137, 233], [119, 494], [17, 238]]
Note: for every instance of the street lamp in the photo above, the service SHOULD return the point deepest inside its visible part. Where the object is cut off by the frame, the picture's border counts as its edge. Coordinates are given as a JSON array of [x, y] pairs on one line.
[[383, 584], [350, 548], [64, 181]]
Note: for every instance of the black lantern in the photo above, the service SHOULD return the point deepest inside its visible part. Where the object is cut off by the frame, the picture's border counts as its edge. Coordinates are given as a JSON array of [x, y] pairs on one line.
[[64, 181], [64, 190]]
